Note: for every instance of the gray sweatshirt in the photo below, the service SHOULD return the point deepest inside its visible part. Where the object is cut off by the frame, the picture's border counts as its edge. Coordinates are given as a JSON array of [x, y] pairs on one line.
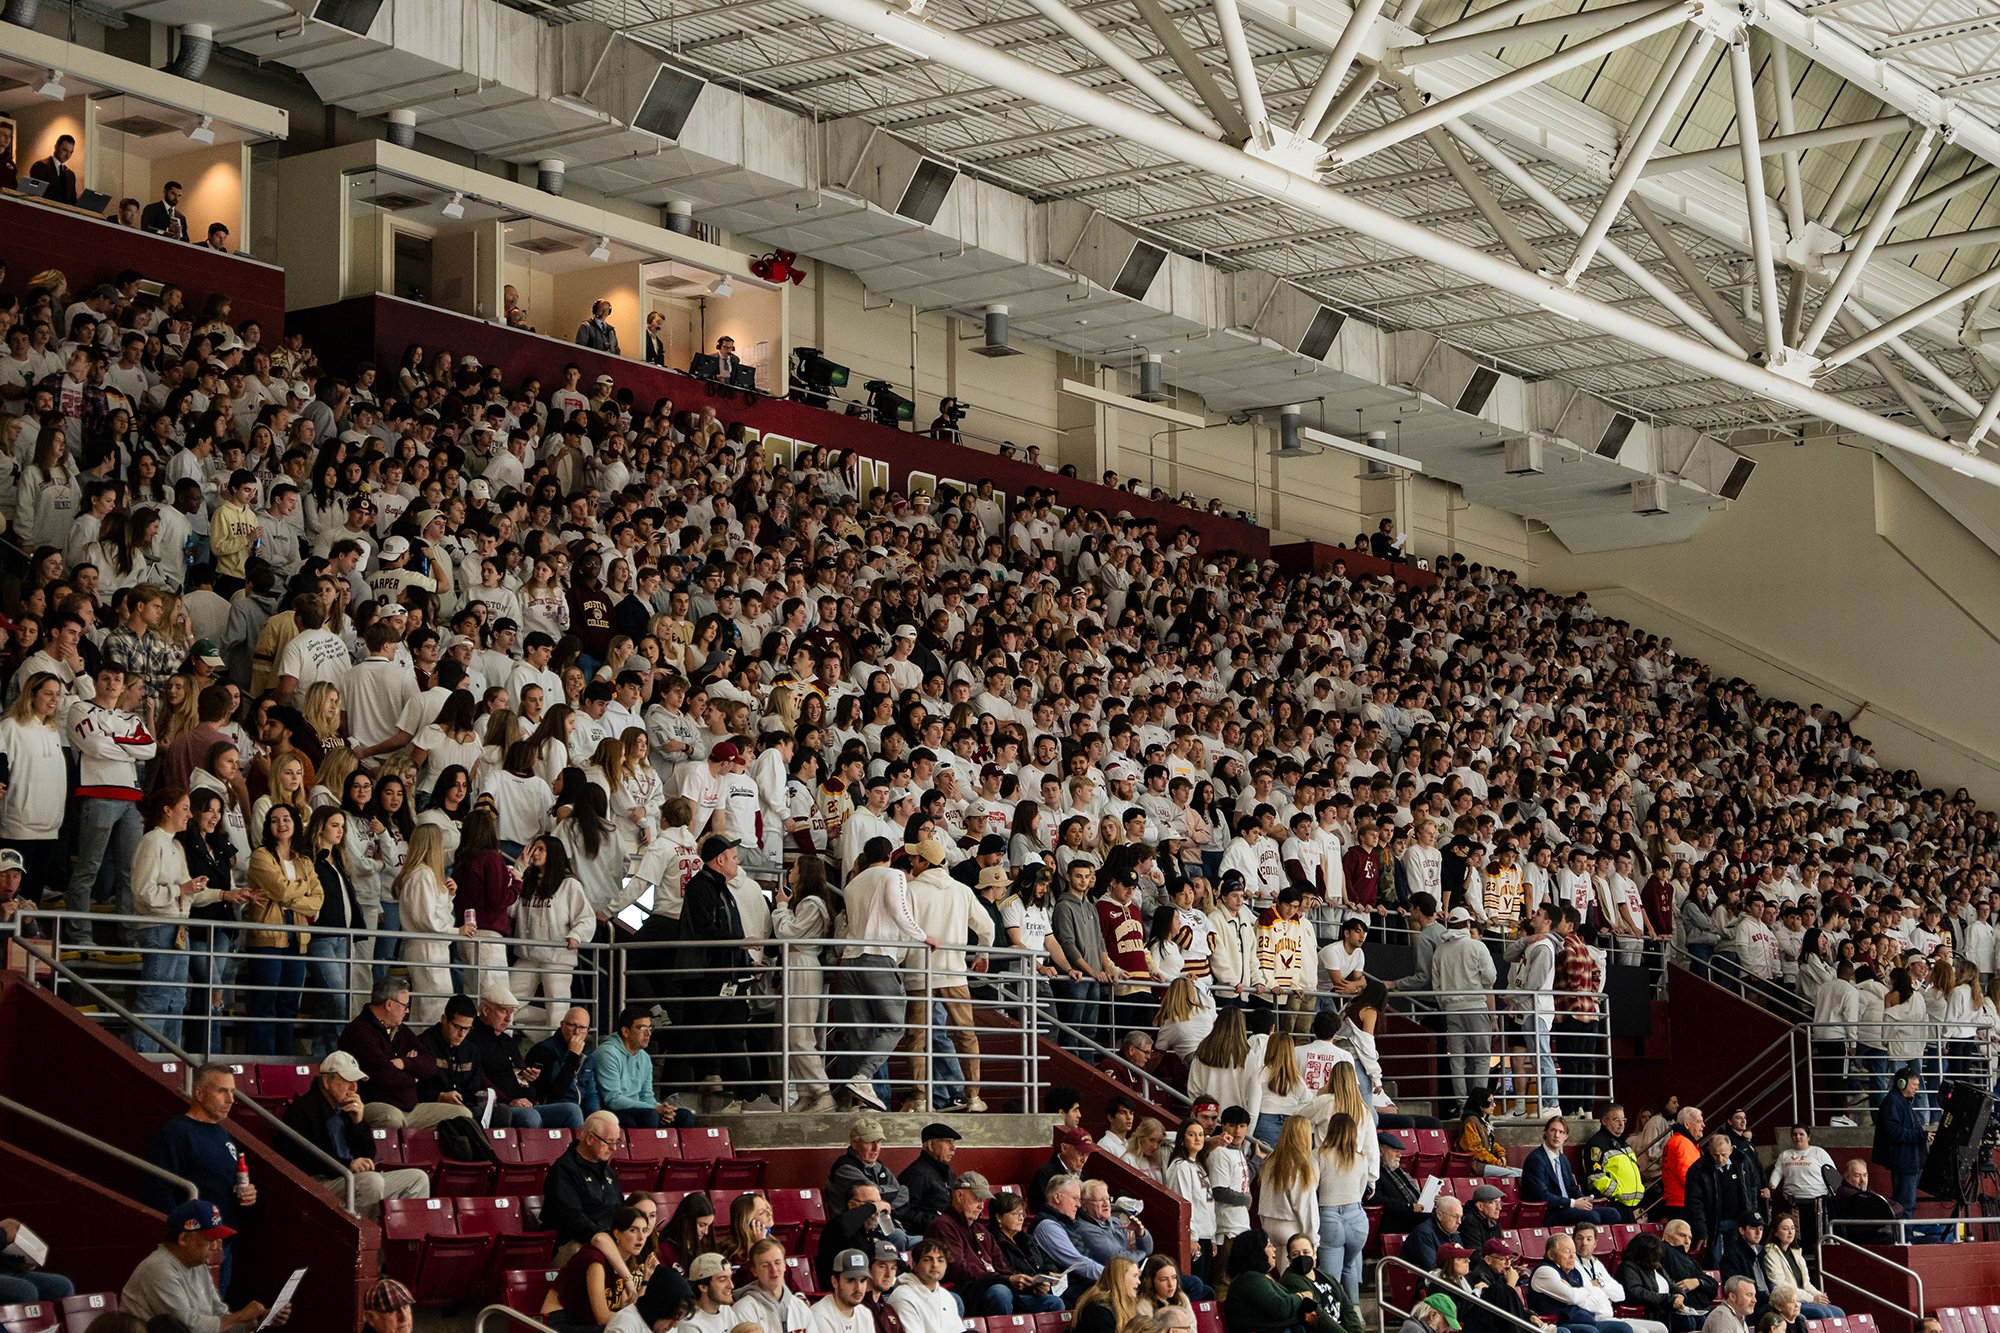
[[162, 1284]]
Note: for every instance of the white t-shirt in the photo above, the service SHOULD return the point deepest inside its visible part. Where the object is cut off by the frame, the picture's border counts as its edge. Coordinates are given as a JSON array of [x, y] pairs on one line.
[[312, 657]]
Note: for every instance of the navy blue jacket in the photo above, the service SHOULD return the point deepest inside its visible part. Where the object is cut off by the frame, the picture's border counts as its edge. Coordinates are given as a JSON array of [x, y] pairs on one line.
[[1546, 1182], [1899, 1135]]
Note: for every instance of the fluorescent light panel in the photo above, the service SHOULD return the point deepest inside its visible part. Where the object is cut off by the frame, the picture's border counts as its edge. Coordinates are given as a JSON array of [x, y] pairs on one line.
[[1359, 450]]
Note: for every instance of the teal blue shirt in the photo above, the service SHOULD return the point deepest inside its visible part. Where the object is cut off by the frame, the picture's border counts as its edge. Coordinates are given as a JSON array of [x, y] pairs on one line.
[[624, 1078]]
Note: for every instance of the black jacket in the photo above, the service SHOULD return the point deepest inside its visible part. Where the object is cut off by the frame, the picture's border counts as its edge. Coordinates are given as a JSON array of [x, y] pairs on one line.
[[709, 913], [456, 1068], [847, 1230], [929, 1184], [313, 1116], [1717, 1193], [1679, 1265], [1490, 1287], [1658, 1305], [498, 1055], [578, 1197], [1397, 1195]]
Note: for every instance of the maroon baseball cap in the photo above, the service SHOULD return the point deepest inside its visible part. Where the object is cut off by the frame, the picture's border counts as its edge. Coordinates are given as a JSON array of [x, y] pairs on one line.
[[726, 753], [1075, 1138]]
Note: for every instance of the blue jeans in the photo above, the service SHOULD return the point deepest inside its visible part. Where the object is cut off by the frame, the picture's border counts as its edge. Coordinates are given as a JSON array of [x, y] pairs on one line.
[[1265, 1131], [1343, 1233], [385, 949], [1080, 1004], [162, 998], [107, 836], [1903, 1190], [947, 1075], [550, 1115], [1813, 1310], [1700, 958], [1003, 1299], [273, 980], [35, 1285], [326, 966], [212, 963]]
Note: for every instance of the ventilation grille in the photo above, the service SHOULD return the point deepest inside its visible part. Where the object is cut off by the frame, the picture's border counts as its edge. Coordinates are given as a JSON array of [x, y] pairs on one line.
[[924, 198], [1614, 435], [668, 103], [1320, 334], [8, 83], [355, 16], [1739, 477], [542, 245], [395, 203], [1472, 399], [139, 127], [1135, 276]]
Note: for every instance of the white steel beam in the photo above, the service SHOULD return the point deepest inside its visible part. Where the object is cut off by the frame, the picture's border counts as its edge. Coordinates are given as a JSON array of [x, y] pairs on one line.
[[1242, 71], [1987, 417], [1743, 83], [1850, 180], [1542, 30], [1506, 85], [1338, 62], [1487, 19], [1871, 237], [1193, 68], [1697, 282], [1795, 204], [1783, 143], [1925, 204], [1497, 217], [1311, 195], [1924, 245], [1087, 35], [1352, 96], [1693, 52], [1858, 322], [1909, 319]]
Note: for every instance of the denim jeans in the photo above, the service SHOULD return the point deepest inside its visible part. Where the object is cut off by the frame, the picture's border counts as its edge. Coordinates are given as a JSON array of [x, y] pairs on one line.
[[107, 834], [1003, 1299], [34, 1285], [162, 998], [1343, 1233], [326, 968], [212, 963], [552, 1115], [1700, 959], [384, 950], [1080, 1004], [272, 981]]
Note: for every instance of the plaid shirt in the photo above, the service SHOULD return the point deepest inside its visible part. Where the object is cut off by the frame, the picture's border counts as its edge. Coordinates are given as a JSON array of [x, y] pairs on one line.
[[1579, 981], [144, 653]]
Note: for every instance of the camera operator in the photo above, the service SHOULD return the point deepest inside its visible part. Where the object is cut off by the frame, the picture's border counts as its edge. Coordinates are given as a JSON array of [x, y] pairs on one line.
[[945, 427]]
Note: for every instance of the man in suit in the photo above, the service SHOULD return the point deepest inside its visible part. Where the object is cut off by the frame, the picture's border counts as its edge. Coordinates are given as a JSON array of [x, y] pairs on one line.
[[726, 360], [596, 332], [164, 217], [656, 346], [1547, 1177], [55, 169]]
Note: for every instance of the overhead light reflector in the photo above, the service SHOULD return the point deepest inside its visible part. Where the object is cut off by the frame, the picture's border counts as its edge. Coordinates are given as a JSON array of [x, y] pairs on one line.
[[203, 133], [602, 252], [1363, 451], [456, 208], [53, 89]]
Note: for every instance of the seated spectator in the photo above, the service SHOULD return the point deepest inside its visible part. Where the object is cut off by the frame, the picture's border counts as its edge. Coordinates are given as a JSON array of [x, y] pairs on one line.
[[1496, 1280], [454, 1079], [1420, 1246], [1435, 1313], [1303, 1275], [1786, 1313], [920, 1297], [388, 1307], [1739, 1251], [926, 1181], [750, 1217], [1643, 1275], [588, 1288], [1549, 1178], [841, 1310], [394, 1065], [862, 1164], [1073, 1147], [862, 1219], [1687, 1274], [714, 1296], [1857, 1201], [328, 1117], [498, 1051], [569, 1071], [1453, 1273], [174, 1281], [1060, 1235], [1785, 1267], [885, 1269], [1731, 1314], [1559, 1290], [580, 1192], [1110, 1228], [1112, 1301], [767, 1301], [623, 1071], [689, 1233], [1481, 1222], [23, 1284], [1396, 1191], [196, 1146], [1013, 1229], [976, 1267], [1610, 1166], [1598, 1277], [1160, 1287], [1475, 1136], [1257, 1301]]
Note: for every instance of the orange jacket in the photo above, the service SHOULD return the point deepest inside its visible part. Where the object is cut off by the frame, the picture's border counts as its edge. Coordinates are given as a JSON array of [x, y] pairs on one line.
[[1680, 1153]]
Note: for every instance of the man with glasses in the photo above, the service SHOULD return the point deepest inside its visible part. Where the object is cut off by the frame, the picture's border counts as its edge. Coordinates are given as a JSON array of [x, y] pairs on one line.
[[624, 1071], [386, 1046], [565, 1061], [581, 1190], [843, 1308], [507, 1072]]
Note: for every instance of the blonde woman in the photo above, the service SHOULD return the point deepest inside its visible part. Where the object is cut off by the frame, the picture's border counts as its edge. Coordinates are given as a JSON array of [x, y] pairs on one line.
[[1112, 1301], [288, 894], [322, 713], [424, 892], [1184, 1019], [330, 783], [1344, 1177], [179, 713], [288, 788], [1289, 1202], [1281, 1089], [1145, 1151]]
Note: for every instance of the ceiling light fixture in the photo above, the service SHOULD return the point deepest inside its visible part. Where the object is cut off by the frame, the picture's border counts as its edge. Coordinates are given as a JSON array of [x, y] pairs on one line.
[[203, 133], [722, 288], [53, 89], [602, 252], [1369, 452], [456, 208]]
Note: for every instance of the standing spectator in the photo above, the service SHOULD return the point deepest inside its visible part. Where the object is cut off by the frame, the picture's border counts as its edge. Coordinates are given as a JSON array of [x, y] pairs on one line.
[[719, 972], [1462, 973], [597, 334], [879, 913], [1721, 1188], [198, 1147], [1901, 1139], [288, 895]]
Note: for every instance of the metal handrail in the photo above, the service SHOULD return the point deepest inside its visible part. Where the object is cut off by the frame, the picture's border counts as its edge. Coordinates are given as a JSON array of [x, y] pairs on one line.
[[1723, 1093], [96, 992], [1153, 1082], [109, 1150], [508, 1312], [1383, 1308], [1916, 1315]]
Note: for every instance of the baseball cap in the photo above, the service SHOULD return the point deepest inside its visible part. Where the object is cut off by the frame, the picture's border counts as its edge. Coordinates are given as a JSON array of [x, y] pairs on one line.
[[866, 1129], [726, 753], [428, 517], [342, 1065], [886, 1250], [1127, 1205], [482, 489], [906, 631], [1445, 1306], [1497, 1246], [206, 652], [198, 1215], [11, 860], [848, 1263], [706, 1266], [1451, 1251], [387, 1296], [972, 1180], [1075, 1138], [604, 379], [1460, 917], [395, 548], [715, 844]]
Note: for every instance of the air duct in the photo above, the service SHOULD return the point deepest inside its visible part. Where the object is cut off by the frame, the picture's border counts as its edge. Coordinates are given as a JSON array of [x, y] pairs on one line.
[[549, 176], [402, 129], [197, 45], [996, 334], [22, 12], [1649, 496], [891, 174], [1289, 445], [1524, 456], [678, 217], [1152, 382]]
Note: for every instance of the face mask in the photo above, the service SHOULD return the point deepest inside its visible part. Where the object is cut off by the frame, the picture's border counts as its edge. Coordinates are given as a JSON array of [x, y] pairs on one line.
[[1302, 1264]]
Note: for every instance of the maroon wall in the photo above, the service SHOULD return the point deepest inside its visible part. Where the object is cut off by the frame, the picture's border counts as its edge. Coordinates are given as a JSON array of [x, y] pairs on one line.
[[36, 236], [1319, 557], [1691, 1062], [382, 326], [96, 1236], [109, 1093], [1953, 1275]]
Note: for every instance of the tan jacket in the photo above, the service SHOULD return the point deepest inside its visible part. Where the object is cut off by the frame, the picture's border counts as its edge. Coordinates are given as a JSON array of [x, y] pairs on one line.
[[288, 901]]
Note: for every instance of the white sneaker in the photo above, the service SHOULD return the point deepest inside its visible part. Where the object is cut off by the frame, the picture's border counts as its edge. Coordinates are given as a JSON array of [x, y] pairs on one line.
[[1842, 1122], [1549, 1112], [864, 1093], [976, 1104]]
